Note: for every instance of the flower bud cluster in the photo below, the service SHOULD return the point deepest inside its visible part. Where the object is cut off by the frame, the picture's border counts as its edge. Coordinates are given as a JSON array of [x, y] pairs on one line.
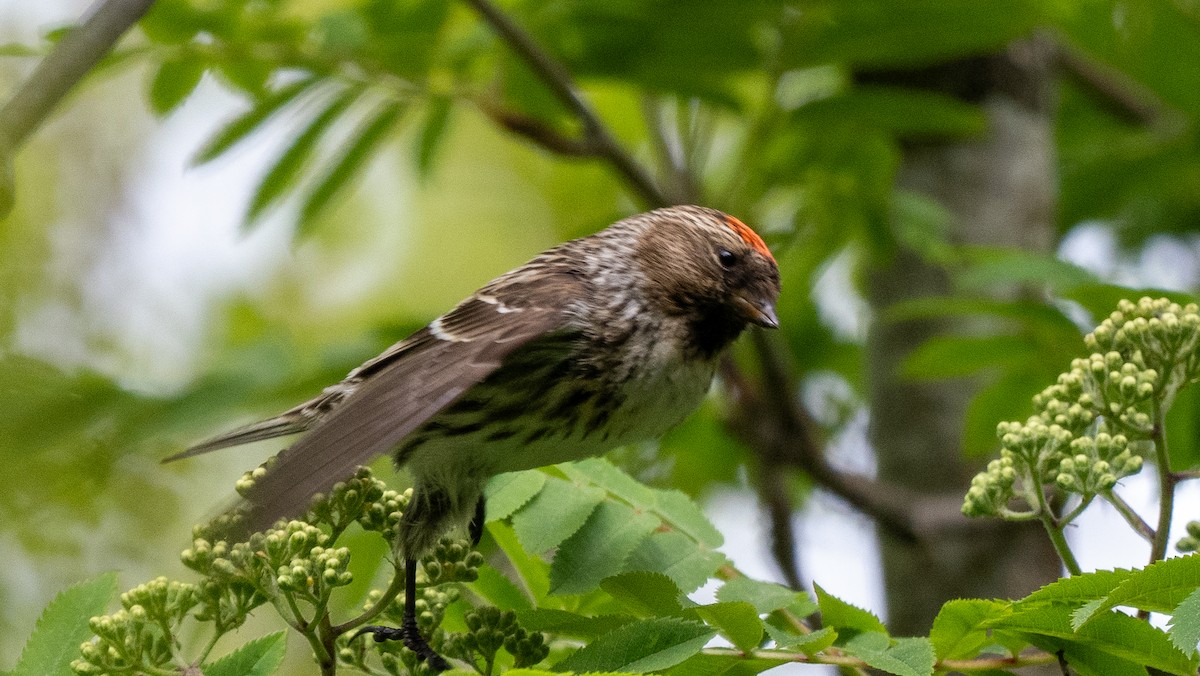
[[489, 629], [348, 500], [1079, 438], [141, 635], [451, 560], [317, 574], [1191, 541], [393, 656], [1167, 332]]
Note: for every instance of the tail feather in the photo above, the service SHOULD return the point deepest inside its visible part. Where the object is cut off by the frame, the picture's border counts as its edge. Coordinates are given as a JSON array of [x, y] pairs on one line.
[[279, 426]]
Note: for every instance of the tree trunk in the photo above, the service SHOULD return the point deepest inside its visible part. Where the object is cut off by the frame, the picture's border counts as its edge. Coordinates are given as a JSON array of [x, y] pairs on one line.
[[999, 190]]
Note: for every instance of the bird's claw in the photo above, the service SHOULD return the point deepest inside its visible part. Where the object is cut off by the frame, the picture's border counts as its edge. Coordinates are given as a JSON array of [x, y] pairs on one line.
[[407, 632]]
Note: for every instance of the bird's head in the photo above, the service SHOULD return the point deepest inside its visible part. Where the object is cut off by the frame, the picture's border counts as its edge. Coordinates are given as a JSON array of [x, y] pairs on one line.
[[710, 267]]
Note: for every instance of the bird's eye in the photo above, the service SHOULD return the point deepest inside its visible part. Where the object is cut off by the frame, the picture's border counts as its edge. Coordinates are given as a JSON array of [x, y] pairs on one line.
[[728, 259]]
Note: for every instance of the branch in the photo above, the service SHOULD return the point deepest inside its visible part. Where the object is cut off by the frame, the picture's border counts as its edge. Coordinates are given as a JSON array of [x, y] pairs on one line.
[[556, 77], [1123, 96], [56, 75], [771, 421]]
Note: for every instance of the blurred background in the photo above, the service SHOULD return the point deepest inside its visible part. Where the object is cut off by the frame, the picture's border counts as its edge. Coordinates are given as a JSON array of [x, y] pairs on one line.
[[247, 198]]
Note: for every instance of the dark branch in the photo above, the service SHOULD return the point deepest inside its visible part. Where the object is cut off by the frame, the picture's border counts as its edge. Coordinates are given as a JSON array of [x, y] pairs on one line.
[[56, 75], [537, 131], [1124, 97], [556, 77]]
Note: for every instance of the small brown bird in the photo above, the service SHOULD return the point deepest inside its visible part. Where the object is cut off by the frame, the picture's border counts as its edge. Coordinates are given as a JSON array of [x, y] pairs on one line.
[[598, 342]]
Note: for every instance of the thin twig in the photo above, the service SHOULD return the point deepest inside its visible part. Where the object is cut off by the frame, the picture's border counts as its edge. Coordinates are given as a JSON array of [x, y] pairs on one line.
[[1135, 521], [556, 77], [1166, 485], [56, 75]]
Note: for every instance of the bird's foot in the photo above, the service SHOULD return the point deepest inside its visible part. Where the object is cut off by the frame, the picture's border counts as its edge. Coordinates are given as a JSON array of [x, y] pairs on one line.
[[408, 632]]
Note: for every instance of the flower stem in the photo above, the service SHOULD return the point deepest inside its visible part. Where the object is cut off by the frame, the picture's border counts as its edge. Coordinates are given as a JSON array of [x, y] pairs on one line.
[[1166, 485]]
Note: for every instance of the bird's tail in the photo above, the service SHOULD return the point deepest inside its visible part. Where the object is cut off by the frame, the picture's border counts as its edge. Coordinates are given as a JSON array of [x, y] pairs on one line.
[[279, 426]]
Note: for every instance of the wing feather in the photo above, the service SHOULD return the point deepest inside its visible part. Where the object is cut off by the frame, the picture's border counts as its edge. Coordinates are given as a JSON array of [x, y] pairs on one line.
[[397, 398]]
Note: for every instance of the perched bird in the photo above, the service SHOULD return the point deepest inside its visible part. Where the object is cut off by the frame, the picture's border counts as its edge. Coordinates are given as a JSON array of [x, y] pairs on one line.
[[595, 343]]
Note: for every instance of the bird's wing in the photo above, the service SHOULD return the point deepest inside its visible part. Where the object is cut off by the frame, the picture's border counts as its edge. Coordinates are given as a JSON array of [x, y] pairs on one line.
[[399, 394]]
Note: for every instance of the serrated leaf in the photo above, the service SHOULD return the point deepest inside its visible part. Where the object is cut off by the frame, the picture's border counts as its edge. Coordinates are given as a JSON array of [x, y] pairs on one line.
[[63, 625], [608, 476], [243, 125], [640, 647], [676, 555], [1111, 632], [574, 625], [534, 572], [683, 514], [1079, 588], [644, 592], [737, 621], [364, 142], [555, 514], [508, 492], [902, 656], [499, 590], [433, 131], [707, 664], [599, 548], [1185, 624], [838, 614], [259, 657], [291, 162], [958, 631], [1159, 587], [174, 80], [809, 643], [766, 597]]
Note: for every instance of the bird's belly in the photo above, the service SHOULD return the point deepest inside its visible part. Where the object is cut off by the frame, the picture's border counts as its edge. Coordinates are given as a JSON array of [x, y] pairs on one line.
[[641, 409]]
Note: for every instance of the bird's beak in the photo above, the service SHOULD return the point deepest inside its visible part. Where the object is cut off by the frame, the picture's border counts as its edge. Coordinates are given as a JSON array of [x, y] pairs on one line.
[[759, 312]]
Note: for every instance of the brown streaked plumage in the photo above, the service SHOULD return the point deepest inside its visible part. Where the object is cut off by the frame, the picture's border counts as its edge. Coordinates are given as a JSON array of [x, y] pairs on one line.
[[598, 342]]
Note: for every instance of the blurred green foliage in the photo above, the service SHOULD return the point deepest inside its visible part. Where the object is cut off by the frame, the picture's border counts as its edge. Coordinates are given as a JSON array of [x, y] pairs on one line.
[[412, 105]]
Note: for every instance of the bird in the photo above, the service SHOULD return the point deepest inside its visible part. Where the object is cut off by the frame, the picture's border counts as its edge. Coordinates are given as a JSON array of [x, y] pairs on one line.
[[598, 342]]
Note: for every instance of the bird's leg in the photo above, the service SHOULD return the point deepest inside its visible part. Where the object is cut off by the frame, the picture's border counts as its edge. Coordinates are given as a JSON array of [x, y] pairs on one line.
[[475, 528], [408, 631]]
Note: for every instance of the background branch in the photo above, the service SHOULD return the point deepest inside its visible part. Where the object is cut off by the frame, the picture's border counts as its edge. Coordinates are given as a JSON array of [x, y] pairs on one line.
[[556, 77], [56, 75]]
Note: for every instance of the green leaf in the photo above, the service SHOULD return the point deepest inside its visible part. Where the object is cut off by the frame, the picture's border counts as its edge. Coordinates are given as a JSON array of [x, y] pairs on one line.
[[706, 664], [508, 492], [1159, 587], [809, 643], [676, 555], [174, 80], [534, 572], [991, 267], [899, 110], [683, 514], [599, 548], [958, 631], [243, 125], [499, 590], [554, 514], [640, 647], [1079, 588], [63, 625], [737, 621], [1111, 632], [365, 140], [259, 657], [288, 166], [838, 614], [606, 475], [433, 131], [903, 656], [566, 623], [960, 356], [1185, 624], [644, 592], [766, 597]]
